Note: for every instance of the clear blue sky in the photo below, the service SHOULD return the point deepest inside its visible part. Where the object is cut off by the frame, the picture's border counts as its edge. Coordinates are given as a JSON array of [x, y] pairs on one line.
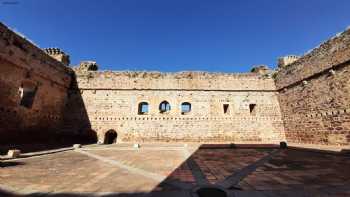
[[175, 35]]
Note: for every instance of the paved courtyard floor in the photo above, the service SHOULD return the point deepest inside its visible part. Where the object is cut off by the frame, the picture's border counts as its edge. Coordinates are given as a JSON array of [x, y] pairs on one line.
[[176, 170]]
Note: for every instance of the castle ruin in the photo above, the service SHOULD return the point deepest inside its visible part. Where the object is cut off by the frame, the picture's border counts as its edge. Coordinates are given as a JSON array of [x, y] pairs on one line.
[[305, 101]]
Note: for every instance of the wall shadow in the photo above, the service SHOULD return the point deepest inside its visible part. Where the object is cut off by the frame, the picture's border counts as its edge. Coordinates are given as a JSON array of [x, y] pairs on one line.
[[76, 122], [73, 128], [4, 164], [4, 193]]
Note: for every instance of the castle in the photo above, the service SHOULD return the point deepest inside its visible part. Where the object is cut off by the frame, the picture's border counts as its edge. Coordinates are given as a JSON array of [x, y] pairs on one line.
[[306, 100]]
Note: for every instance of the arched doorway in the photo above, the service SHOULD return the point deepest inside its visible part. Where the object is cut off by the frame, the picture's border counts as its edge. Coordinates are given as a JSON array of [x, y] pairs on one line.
[[110, 137]]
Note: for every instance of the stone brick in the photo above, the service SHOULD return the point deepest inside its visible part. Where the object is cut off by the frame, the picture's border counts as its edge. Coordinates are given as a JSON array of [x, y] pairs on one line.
[[14, 153]]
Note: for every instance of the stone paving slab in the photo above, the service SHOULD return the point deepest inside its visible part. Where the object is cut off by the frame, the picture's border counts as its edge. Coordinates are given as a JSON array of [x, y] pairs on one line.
[[71, 171], [218, 164], [162, 162], [295, 169], [120, 171]]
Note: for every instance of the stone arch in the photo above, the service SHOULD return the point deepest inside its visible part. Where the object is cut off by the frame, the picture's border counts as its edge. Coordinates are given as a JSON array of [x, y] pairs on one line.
[[164, 106], [143, 108], [110, 137], [186, 107]]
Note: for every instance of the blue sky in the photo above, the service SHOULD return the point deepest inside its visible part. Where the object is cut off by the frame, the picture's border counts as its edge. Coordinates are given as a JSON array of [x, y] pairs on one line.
[[175, 35]]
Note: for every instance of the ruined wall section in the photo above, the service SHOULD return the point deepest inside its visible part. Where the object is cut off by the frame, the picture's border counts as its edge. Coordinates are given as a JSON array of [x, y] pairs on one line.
[[112, 99], [25, 70], [314, 94], [174, 81]]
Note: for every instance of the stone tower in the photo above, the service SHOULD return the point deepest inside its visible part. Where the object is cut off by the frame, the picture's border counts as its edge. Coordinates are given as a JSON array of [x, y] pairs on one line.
[[58, 55]]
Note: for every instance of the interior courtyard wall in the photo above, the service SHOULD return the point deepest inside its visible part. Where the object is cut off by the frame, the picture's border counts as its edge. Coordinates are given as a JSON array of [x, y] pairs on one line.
[[22, 64], [112, 100], [314, 94]]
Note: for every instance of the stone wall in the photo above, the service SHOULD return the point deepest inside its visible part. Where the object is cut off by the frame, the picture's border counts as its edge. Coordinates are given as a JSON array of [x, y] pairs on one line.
[[112, 100], [314, 94], [43, 98], [33, 89]]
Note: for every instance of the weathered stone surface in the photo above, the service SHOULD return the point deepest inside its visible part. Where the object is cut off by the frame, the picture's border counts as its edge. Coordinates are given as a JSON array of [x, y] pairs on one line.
[[24, 66], [58, 55], [314, 94], [14, 153], [286, 60], [112, 99], [305, 101], [76, 146], [118, 170]]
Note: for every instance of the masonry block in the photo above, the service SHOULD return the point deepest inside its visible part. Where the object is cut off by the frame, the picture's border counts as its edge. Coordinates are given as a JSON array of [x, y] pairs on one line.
[[14, 153]]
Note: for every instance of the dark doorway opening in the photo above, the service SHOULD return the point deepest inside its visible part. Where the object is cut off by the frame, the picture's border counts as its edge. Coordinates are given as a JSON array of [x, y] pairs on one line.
[[110, 137]]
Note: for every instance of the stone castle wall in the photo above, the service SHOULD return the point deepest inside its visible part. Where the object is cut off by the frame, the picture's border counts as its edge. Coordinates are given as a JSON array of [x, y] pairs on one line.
[[314, 94], [306, 101], [112, 98], [23, 68]]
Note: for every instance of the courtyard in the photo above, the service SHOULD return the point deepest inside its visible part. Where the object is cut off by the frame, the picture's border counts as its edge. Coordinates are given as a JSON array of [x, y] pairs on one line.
[[177, 170]]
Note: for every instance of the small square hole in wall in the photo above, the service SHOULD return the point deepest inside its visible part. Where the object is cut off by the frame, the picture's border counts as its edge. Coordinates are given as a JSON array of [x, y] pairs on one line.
[[252, 108], [226, 108]]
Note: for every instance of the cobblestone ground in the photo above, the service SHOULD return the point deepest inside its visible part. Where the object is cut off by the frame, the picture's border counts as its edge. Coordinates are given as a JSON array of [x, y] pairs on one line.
[[174, 170]]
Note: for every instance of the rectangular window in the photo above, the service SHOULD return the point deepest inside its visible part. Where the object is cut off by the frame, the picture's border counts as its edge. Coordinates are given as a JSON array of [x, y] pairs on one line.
[[143, 108], [252, 109], [27, 96], [226, 108]]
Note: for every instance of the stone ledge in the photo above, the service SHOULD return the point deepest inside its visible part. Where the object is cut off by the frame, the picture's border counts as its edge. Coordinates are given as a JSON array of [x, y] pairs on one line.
[[32, 154], [319, 148]]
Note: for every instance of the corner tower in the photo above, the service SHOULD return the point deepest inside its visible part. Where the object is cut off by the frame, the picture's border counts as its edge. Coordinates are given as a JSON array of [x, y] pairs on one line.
[[59, 55]]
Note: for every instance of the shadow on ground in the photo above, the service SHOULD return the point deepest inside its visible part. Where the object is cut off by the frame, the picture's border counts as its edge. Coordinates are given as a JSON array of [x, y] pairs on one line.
[[8, 194], [4, 164], [241, 170], [190, 174]]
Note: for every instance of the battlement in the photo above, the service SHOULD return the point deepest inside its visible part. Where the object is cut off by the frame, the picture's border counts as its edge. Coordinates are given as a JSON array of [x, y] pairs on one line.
[[25, 55], [261, 69], [286, 60], [86, 66], [186, 80], [58, 54], [327, 55]]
